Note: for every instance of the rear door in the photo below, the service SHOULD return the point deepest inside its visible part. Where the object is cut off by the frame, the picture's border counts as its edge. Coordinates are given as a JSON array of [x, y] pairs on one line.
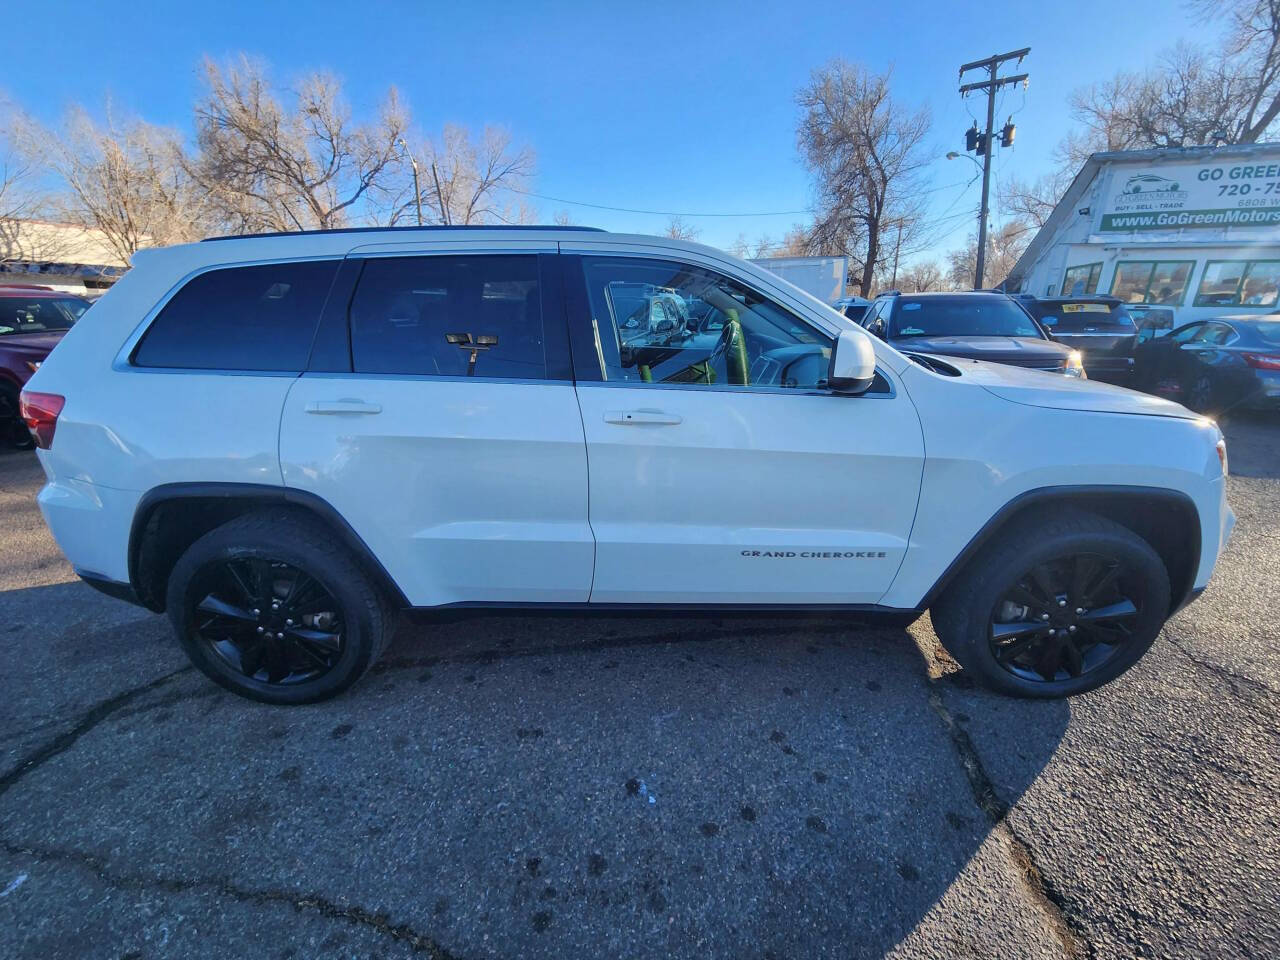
[[439, 418], [721, 469]]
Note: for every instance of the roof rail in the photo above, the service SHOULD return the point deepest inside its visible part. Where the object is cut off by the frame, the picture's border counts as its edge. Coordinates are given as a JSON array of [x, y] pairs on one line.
[[411, 229]]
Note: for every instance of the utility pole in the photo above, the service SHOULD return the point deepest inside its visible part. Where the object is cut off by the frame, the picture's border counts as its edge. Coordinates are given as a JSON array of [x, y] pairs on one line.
[[417, 190], [893, 284], [444, 217], [982, 142]]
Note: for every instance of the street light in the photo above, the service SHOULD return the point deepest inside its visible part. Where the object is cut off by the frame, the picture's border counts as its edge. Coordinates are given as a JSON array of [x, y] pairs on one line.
[[952, 155], [982, 226], [417, 190]]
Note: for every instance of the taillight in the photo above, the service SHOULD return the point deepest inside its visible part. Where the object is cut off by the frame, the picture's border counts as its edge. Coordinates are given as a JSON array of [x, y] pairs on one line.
[[40, 411], [1263, 361]]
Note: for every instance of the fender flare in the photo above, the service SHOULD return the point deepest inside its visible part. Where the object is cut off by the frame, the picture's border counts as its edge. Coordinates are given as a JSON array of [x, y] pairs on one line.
[[267, 495], [1080, 496]]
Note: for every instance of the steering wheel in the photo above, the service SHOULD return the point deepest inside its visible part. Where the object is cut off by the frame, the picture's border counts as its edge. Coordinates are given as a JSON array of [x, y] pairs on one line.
[[721, 348]]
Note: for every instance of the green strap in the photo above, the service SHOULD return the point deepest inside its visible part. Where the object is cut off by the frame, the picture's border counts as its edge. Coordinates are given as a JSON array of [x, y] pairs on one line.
[[736, 354]]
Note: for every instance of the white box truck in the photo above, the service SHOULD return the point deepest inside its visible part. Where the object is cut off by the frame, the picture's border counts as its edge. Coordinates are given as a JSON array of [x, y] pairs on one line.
[[823, 277]]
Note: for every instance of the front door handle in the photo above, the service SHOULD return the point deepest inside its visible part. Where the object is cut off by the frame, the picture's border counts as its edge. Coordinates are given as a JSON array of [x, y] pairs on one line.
[[642, 416], [342, 406]]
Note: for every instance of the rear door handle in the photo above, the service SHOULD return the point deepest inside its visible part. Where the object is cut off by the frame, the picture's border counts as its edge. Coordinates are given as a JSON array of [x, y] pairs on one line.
[[342, 406], [642, 416]]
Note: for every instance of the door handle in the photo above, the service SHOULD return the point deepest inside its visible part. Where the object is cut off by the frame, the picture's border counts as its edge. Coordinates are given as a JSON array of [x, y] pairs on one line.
[[642, 416], [342, 406]]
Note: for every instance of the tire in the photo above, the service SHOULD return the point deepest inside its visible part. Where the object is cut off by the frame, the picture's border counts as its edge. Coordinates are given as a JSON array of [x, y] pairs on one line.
[[1199, 394], [248, 566], [987, 623], [13, 432]]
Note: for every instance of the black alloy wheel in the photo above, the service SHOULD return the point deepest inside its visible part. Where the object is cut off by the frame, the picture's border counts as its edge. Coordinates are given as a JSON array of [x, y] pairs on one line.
[[1200, 394], [1066, 617], [271, 621]]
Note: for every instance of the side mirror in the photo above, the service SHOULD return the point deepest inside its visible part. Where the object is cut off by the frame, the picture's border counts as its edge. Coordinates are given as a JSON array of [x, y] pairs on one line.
[[853, 363]]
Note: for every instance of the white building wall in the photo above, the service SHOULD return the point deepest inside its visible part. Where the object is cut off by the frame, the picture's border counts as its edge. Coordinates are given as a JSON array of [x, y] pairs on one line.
[[1082, 239]]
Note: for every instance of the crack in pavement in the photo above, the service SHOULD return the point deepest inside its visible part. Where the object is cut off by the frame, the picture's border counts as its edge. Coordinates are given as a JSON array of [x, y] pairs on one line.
[[1252, 685], [326, 907], [88, 720], [1052, 904], [491, 655]]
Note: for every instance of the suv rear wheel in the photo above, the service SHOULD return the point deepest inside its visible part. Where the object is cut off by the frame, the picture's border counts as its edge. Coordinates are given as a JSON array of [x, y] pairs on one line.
[[270, 607], [1057, 605]]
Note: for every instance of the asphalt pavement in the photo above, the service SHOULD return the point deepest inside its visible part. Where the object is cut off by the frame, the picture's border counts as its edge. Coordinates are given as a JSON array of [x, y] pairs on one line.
[[584, 787]]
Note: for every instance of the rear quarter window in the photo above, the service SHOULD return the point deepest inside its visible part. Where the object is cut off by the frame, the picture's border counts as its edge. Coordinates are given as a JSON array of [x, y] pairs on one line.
[[1077, 317], [240, 318]]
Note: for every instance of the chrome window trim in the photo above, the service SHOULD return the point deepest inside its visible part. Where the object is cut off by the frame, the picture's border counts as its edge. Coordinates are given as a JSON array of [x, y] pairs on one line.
[[727, 388]]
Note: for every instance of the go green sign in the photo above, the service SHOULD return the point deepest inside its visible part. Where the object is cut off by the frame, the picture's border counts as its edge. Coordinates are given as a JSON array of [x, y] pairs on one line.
[[1180, 196], [1173, 219]]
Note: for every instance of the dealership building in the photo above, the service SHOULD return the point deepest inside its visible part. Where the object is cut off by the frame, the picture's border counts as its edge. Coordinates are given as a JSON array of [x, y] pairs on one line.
[[1194, 229]]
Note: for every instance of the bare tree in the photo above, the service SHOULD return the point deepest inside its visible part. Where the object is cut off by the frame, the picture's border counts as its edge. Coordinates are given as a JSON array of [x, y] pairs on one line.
[[1252, 53], [16, 202], [1033, 201], [923, 277], [268, 165], [677, 229], [1005, 246], [763, 247], [740, 247], [866, 152], [1193, 95], [482, 179], [123, 179], [562, 218]]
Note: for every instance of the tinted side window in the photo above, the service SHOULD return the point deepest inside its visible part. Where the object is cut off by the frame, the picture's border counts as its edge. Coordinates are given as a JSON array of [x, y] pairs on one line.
[[240, 318], [450, 317]]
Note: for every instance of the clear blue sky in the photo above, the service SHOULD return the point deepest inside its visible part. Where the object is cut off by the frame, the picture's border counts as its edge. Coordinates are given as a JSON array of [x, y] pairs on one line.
[[684, 107]]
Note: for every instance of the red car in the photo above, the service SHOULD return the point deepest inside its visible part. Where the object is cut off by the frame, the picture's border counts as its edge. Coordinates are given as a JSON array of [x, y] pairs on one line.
[[32, 321]]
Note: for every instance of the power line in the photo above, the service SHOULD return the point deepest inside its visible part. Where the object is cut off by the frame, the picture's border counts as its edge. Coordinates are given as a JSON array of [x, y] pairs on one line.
[[679, 213], [656, 213]]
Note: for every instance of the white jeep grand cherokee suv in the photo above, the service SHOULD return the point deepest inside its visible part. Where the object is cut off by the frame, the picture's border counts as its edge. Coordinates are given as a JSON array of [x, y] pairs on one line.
[[281, 440]]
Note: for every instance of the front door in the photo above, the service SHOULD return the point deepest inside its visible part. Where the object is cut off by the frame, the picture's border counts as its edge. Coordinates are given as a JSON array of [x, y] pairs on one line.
[[721, 469], [439, 419]]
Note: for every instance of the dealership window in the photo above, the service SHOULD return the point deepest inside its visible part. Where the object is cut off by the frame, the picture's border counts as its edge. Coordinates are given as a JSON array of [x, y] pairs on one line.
[[1244, 283], [1152, 281], [1081, 280]]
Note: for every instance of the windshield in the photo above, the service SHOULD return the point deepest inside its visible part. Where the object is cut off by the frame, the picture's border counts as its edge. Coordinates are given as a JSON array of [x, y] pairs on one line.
[[39, 314], [1079, 317], [962, 316]]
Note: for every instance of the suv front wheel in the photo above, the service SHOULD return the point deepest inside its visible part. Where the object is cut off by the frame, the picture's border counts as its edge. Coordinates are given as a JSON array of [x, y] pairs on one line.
[[1060, 603], [270, 607]]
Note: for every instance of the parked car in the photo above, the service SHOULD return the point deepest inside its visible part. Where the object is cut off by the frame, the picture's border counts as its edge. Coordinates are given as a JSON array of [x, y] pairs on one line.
[[414, 417], [980, 325], [32, 321], [1101, 328], [855, 308], [1215, 366]]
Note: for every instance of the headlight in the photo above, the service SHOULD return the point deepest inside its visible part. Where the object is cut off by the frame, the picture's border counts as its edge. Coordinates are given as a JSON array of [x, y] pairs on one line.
[[34, 364], [1075, 365]]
